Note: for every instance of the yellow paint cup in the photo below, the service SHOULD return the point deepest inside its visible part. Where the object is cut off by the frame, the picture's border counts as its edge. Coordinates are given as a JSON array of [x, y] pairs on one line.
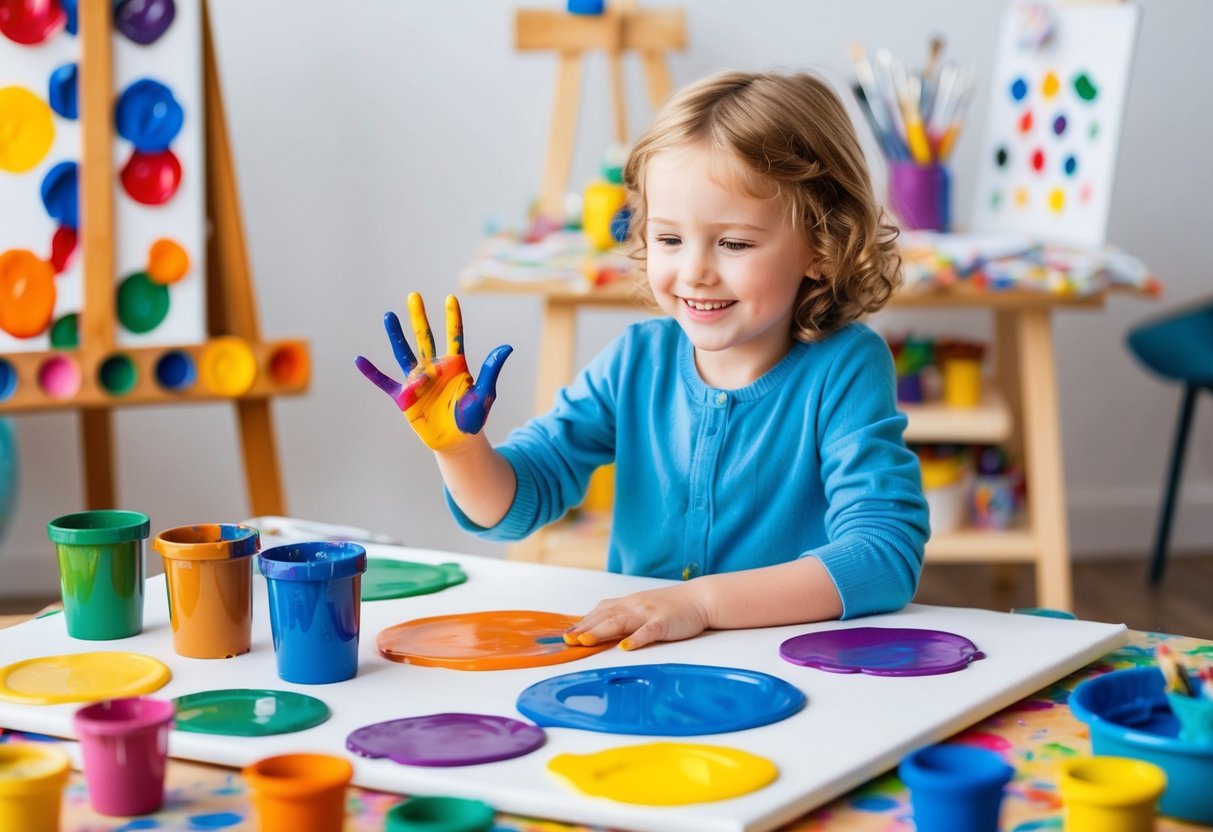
[[1110, 794], [32, 777], [601, 202], [962, 382]]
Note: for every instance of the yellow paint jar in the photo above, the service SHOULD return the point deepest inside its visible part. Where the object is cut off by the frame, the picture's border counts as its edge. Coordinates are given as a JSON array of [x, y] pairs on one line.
[[32, 778], [1110, 794], [601, 202], [962, 382]]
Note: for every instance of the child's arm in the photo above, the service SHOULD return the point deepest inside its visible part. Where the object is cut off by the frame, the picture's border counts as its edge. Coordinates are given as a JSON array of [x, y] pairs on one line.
[[447, 410], [789, 593]]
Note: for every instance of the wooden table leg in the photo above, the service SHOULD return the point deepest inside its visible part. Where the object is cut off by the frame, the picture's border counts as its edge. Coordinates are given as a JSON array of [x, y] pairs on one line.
[[557, 345], [96, 435], [1043, 461]]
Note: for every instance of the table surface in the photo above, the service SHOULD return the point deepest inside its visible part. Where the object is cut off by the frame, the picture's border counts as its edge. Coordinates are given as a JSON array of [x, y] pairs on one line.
[[1033, 735]]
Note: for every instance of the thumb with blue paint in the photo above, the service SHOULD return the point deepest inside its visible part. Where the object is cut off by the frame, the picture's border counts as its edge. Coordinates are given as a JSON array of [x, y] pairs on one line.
[[472, 409]]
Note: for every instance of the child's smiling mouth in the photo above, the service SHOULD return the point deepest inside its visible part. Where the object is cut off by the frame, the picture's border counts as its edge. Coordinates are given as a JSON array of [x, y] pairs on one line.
[[707, 305]]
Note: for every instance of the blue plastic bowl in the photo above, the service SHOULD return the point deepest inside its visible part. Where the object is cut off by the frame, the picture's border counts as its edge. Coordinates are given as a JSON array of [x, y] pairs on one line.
[[1128, 714]]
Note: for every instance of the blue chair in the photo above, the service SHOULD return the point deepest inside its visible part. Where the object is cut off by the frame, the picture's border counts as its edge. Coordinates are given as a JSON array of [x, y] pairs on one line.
[[1177, 347]]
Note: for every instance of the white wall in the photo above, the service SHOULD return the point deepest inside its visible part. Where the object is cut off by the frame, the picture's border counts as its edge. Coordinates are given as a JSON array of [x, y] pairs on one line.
[[374, 138]]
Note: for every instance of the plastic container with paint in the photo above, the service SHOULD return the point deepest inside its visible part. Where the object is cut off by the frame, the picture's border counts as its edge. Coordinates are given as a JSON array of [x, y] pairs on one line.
[[315, 596], [955, 787], [125, 747], [101, 571], [1129, 716], [208, 571], [299, 792], [1109, 794], [439, 814], [32, 777]]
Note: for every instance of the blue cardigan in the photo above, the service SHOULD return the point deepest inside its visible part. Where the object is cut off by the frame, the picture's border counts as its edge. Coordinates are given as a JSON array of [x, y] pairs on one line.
[[807, 461]]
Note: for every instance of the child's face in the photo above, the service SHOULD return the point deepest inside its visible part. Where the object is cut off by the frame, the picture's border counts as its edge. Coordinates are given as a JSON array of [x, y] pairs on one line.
[[726, 265]]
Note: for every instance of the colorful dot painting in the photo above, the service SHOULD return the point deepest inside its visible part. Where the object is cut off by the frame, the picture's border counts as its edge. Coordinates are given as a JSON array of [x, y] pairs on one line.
[[157, 186], [1051, 154]]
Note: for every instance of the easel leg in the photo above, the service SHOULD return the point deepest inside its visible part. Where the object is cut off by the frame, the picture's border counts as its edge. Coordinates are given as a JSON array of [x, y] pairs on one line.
[[260, 457], [97, 439], [1042, 446], [1007, 371]]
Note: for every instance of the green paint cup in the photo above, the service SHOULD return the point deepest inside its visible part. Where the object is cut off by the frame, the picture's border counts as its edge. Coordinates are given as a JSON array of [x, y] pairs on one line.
[[101, 572]]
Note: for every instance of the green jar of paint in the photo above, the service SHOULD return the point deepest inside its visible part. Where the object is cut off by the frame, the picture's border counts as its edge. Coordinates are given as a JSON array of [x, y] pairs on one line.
[[439, 814], [101, 571]]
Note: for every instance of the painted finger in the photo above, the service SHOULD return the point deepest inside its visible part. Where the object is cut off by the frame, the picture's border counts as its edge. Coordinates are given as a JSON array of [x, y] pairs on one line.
[[400, 346], [472, 409], [454, 326], [421, 328], [612, 628], [647, 634], [384, 383]]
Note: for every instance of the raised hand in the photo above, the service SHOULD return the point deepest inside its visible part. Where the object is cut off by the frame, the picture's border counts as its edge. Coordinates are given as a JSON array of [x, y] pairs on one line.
[[437, 396]]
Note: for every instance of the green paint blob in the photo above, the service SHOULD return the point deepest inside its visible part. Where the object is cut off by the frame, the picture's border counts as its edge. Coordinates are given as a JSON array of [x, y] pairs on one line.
[[386, 578], [1085, 88], [142, 303], [1093, 130], [65, 332], [118, 374], [996, 200], [243, 712]]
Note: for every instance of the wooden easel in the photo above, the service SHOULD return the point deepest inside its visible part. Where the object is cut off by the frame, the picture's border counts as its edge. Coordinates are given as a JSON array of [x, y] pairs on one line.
[[282, 365], [622, 28]]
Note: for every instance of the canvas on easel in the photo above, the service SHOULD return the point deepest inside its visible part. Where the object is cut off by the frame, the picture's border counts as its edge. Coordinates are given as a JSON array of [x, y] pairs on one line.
[[1048, 154], [126, 281]]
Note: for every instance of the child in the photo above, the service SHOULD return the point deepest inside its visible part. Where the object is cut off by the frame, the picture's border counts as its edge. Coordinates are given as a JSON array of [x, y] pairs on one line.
[[758, 448]]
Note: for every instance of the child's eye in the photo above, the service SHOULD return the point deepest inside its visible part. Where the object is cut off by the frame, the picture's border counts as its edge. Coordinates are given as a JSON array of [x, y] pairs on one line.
[[667, 240], [735, 245]]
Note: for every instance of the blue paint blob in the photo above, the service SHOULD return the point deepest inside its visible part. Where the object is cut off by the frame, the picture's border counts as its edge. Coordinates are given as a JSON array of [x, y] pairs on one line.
[[1045, 823], [63, 93], [873, 804], [1019, 89], [148, 116], [1059, 124], [216, 820], [550, 640], [73, 20], [1070, 165], [175, 370], [8, 380], [620, 224], [60, 194]]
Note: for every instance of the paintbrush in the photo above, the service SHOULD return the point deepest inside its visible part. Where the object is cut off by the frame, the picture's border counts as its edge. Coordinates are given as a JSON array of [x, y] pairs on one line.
[[1173, 671]]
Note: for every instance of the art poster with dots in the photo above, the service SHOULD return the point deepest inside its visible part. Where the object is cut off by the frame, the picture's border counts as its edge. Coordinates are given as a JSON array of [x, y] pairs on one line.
[[1048, 154], [159, 179]]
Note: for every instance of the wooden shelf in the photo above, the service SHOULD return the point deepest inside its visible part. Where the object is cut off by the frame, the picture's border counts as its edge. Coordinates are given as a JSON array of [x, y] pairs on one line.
[[989, 423]]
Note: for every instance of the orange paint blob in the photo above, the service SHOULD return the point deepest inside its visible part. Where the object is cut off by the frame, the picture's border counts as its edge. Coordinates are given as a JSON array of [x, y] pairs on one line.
[[167, 261], [493, 640], [27, 293]]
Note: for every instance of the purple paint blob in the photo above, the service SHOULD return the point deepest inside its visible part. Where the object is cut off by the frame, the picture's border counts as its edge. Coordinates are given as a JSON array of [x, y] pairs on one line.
[[446, 739], [881, 651], [144, 21]]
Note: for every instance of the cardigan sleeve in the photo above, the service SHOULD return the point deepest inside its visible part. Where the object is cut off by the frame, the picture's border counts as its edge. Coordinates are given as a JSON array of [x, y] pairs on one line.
[[876, 520]]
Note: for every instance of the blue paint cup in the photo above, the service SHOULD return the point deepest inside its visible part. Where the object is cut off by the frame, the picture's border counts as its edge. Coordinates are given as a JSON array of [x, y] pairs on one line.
[[955, 787], [315, 592]]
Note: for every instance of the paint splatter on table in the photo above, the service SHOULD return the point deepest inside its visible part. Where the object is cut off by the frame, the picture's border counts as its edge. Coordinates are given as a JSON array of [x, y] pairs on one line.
[[1033, 735]]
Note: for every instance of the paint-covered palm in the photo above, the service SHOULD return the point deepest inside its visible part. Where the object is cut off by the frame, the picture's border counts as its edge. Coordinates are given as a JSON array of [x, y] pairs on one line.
[[438, 395]]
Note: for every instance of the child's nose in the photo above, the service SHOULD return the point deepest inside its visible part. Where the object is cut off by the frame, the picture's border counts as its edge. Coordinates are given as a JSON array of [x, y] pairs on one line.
[[700, 270]]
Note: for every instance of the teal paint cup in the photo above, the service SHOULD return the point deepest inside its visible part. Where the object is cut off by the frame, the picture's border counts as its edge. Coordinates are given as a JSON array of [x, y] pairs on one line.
[[101, 572]]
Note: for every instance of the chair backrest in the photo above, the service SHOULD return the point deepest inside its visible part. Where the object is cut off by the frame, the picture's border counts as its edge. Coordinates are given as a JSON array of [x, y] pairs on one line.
[[1177, 346]]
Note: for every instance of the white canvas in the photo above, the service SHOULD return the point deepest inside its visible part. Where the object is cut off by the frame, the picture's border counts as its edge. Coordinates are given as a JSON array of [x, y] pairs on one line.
[[175, 60], [853, 727], [1095, 40]]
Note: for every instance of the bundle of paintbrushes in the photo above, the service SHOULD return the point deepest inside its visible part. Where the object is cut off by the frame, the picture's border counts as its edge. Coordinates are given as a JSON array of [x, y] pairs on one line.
[[915, 116]]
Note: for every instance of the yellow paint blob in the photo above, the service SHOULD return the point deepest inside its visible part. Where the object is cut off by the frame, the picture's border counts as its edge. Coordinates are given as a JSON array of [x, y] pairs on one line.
[[1021, 197], [228, 366], [1050, 85], [666, 773], [81, 677], [26, 129], [167, 261], [1057, 200]]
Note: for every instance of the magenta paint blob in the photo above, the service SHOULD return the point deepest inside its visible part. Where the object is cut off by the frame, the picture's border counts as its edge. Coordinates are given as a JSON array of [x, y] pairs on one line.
[[60, 377], [449, 739], [881, 651], [125, 745]]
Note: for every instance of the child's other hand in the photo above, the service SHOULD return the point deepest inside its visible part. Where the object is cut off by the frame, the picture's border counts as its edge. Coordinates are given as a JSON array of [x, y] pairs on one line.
[[667, 614], [438, 396]]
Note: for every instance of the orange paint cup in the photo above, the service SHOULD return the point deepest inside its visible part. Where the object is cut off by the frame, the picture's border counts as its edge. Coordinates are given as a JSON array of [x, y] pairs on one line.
[[299, 792], [208, 570]]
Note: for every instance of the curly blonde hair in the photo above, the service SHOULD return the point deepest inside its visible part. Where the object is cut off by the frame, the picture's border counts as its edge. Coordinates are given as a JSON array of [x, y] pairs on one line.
[[793, 139]]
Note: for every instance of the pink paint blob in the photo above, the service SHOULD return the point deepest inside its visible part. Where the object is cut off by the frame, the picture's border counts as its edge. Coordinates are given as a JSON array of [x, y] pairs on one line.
[[981, 739], [60, 377]]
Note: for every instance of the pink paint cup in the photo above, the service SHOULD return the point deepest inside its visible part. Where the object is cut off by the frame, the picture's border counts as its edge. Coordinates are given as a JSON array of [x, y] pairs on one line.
[[125, 746]]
